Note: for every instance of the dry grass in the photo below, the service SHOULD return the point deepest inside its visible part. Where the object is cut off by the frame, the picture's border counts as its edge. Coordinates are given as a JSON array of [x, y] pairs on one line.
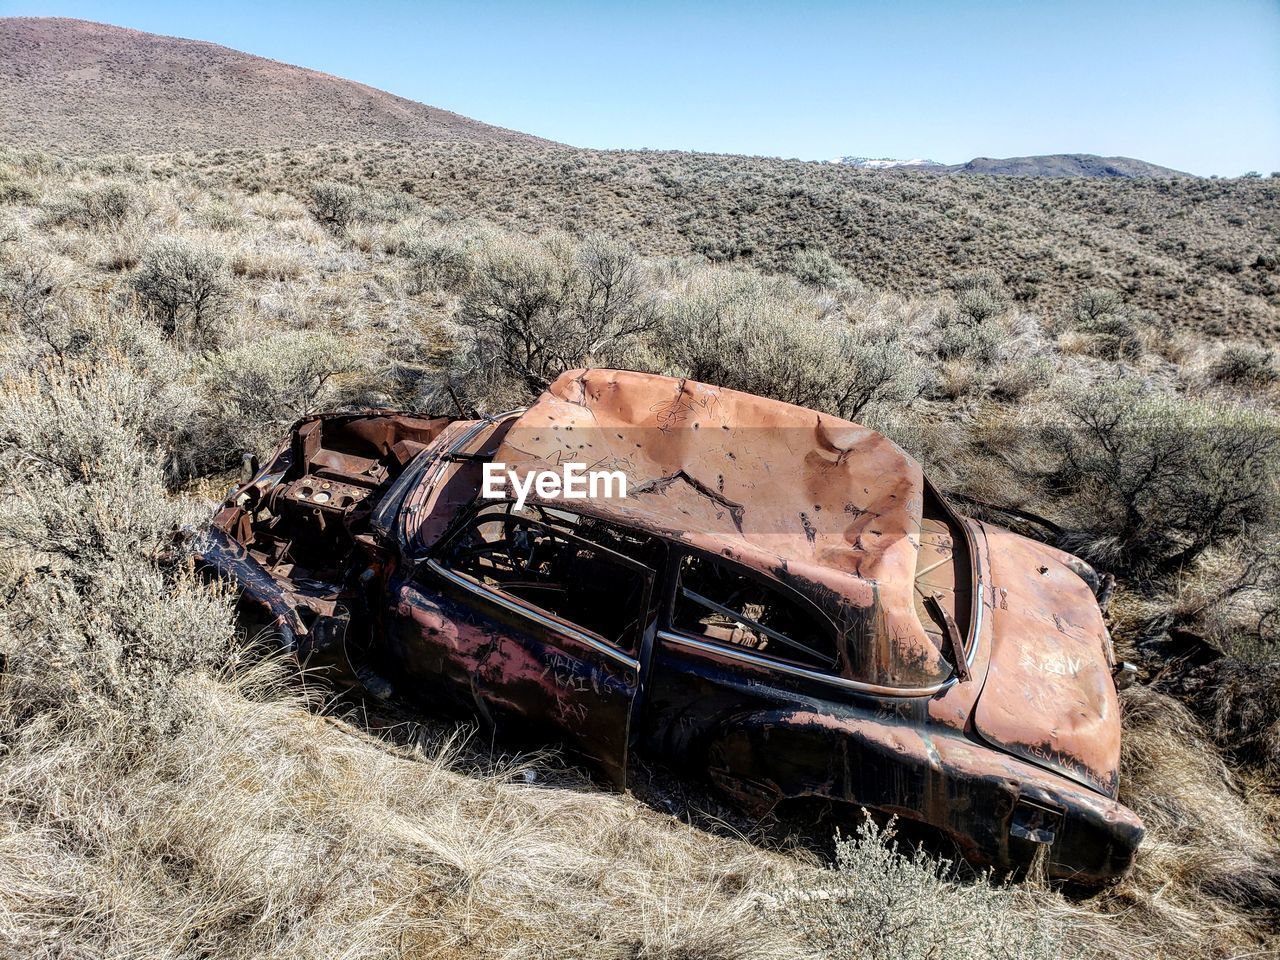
[[258, 828], [163, 792], [1209, 871]]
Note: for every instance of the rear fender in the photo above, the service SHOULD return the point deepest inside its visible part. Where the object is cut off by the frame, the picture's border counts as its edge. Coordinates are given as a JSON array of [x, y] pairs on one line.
[[997, 809], [854, 759]]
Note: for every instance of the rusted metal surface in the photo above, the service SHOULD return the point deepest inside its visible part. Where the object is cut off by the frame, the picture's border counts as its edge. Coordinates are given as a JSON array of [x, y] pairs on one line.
[[1049, 695], [289, 538], [782, 604], [837, 505]]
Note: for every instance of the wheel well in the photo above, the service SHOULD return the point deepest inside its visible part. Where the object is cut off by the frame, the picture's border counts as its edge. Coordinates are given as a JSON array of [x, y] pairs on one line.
[[825, 819]]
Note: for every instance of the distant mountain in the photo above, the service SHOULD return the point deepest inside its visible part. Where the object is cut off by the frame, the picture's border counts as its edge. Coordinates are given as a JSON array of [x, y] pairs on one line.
[[1068, 165], [80, 86], [1051, 165]]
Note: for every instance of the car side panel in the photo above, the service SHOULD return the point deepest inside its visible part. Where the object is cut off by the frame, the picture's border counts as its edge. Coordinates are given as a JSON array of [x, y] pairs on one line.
[[530, 682], [439, 645], [694, 693]]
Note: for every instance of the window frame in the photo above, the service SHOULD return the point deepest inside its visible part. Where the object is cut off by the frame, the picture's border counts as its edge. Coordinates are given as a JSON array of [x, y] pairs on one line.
[[834, 671], [435, 561]]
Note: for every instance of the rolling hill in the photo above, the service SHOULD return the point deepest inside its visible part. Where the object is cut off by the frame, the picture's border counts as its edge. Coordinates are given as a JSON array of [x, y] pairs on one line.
[[1048, 165], [1067, 165], [89, 87], [1192, 251]]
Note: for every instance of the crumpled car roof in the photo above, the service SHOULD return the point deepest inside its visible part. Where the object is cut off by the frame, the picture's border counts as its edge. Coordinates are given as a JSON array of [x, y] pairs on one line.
[[828, 506]]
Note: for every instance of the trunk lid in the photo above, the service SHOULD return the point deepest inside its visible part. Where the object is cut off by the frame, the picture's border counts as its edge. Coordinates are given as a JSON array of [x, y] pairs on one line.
[[1049, 696]]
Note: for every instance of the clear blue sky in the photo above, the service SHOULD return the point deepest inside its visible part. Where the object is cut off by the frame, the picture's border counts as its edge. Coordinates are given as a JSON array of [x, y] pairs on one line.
[[1193, 85]]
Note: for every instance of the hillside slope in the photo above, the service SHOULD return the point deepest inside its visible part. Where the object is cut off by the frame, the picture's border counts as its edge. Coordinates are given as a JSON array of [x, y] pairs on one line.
[[80, 86], [1197, 253], [1047, 165], [1067, 165]]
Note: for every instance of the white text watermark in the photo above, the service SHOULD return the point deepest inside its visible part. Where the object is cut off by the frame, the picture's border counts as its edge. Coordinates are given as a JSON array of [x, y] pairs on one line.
[[573, 481]]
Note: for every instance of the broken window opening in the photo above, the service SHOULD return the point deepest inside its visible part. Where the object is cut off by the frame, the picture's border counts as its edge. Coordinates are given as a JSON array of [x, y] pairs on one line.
[[943, 586], [551, 560], [716, 602]]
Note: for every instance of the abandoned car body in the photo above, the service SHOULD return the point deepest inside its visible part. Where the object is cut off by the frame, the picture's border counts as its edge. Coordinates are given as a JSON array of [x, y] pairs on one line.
[[781, 604]]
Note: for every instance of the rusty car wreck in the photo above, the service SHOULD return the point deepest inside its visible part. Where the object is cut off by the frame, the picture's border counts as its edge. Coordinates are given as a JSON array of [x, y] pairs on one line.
[[781, 605]]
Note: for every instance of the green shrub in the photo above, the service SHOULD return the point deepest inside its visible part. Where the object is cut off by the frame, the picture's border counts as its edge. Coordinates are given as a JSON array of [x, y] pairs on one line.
[[1244, 365], [1148, 481], [1091, 306], [15, 189], [30, 280], [883, 904], [985, 348], [339, 205], [185, 286], [980, 341], [254, 392], [105, 207], [1112, 329], [94, 629], [534, 309], [769, 337], [333, 205], [817, 268], [980, 295], [380, 206], [221, 216], [439, 262]]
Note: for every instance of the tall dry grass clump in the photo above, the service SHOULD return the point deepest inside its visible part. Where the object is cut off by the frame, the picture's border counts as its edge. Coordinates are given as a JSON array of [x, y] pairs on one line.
[[1209, 867]]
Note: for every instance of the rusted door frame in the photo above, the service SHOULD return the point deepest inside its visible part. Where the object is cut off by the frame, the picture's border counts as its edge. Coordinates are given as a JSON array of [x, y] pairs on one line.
[[571, 698]]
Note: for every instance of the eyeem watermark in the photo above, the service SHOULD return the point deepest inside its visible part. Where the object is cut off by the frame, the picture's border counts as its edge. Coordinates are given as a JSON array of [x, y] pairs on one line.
[[573, 481]]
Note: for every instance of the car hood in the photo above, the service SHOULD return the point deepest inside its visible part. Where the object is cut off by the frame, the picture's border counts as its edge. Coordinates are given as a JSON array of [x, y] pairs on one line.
[[1049, 696]]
